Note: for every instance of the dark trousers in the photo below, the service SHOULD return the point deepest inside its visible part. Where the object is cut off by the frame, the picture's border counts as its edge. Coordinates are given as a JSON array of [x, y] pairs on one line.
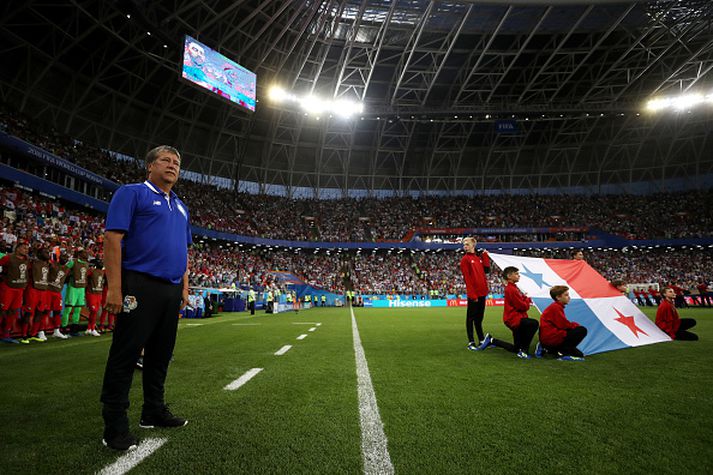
[[683, 333], [151, 326], [474, 318], [569, 345], [522, 336], [251, 307]]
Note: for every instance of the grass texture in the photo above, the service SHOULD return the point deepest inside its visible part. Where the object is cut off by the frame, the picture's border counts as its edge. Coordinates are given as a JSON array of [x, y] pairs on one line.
[[444, 409]]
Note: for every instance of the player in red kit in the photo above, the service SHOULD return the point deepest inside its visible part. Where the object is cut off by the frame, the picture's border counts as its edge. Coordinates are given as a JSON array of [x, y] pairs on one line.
[[702, 287], [655, 295], [557, 334], [474, 265], [15, 268], [667, 318], [94, 291], [36, 307], [106, 320]]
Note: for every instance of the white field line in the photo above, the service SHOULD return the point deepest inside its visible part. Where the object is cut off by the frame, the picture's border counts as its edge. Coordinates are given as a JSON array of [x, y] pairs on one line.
[[374, 446], [131, 459], [283, 350], [250, 374], [213, 322], [312, 329], [195, 324], [302, 337], [318, 324]]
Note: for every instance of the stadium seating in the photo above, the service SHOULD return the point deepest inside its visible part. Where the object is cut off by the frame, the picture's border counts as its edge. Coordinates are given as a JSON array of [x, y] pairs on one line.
[[368, 220]]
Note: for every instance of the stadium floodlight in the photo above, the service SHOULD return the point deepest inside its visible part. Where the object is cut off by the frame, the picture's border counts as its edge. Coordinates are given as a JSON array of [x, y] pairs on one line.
[[317, 106], [684, 102], [277, 94]]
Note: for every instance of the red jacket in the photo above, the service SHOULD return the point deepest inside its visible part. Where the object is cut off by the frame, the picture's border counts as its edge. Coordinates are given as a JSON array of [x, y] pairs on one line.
[[553, 324], [473, 268], [516, 306], [667, 318]]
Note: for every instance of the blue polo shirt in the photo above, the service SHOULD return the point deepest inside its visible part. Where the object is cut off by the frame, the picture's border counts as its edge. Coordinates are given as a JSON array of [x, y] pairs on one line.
[[156, 227]]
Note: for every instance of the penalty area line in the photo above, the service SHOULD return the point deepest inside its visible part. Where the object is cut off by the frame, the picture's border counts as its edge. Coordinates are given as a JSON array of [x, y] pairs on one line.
[[131, 459], [374, 445], [250, 374]]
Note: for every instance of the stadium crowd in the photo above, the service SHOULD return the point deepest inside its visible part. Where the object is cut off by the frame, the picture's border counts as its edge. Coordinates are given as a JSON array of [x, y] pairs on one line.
[[64, 228], [690, 214], [72, 234]]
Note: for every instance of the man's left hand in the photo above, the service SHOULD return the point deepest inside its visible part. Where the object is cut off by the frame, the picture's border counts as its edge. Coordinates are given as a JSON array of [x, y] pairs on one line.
[[184, 299]]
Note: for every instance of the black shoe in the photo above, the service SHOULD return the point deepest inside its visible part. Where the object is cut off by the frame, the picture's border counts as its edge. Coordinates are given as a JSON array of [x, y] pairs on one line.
[[123, 442], [164, 418], [140, 363]]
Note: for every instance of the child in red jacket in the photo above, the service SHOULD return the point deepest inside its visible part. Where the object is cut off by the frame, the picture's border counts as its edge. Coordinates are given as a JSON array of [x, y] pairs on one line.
[[474, 265], [515, 316], [667, 318], [557, 334]]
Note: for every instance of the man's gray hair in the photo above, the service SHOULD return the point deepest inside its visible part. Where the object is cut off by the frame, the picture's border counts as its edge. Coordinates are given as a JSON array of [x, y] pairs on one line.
[[152, 154]]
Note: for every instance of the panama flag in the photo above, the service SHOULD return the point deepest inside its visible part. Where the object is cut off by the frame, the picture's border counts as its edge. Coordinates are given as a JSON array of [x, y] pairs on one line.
[[612, 320]]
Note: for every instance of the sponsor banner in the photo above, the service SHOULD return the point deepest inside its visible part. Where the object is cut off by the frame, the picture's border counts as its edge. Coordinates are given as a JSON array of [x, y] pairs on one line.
[[403, 303], [9, 142], [282, 307], [437, 231], [496, 302], [407, 303]]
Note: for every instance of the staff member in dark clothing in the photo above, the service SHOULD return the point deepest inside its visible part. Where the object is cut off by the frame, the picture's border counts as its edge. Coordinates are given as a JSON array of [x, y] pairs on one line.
[[474, 265], [146, 260]]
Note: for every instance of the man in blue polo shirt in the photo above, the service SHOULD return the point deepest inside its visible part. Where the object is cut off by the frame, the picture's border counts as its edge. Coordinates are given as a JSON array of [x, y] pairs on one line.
[[146, 259]]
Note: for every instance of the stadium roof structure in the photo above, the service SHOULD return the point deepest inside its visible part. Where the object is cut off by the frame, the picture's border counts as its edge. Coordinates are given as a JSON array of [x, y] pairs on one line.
[[458, 95]]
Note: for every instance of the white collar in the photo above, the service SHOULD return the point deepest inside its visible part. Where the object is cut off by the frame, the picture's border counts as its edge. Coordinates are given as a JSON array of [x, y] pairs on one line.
[[155, 190]]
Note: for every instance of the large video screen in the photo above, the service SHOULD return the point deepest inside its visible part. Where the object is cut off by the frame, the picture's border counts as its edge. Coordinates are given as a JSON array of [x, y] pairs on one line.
[[211, 70]]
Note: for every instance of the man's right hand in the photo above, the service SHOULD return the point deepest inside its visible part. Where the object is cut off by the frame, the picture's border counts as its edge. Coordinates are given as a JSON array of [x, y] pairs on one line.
[[114, 301]]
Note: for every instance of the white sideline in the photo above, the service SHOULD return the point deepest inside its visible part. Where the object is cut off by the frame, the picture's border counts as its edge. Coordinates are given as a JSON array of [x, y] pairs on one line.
[[283, 350], [250, 374], [312, 329], [374, 446], [302, 337], [131, 459], [213, 322]]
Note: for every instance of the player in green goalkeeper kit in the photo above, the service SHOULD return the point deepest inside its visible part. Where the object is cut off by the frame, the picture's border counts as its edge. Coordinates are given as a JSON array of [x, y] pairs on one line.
[[76, 286]]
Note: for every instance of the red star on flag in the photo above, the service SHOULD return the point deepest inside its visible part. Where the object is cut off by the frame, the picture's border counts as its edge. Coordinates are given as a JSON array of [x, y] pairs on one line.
[[628, 320]]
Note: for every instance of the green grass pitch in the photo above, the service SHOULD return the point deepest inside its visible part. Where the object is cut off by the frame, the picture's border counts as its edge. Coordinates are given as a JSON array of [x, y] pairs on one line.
[[444, 409]]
